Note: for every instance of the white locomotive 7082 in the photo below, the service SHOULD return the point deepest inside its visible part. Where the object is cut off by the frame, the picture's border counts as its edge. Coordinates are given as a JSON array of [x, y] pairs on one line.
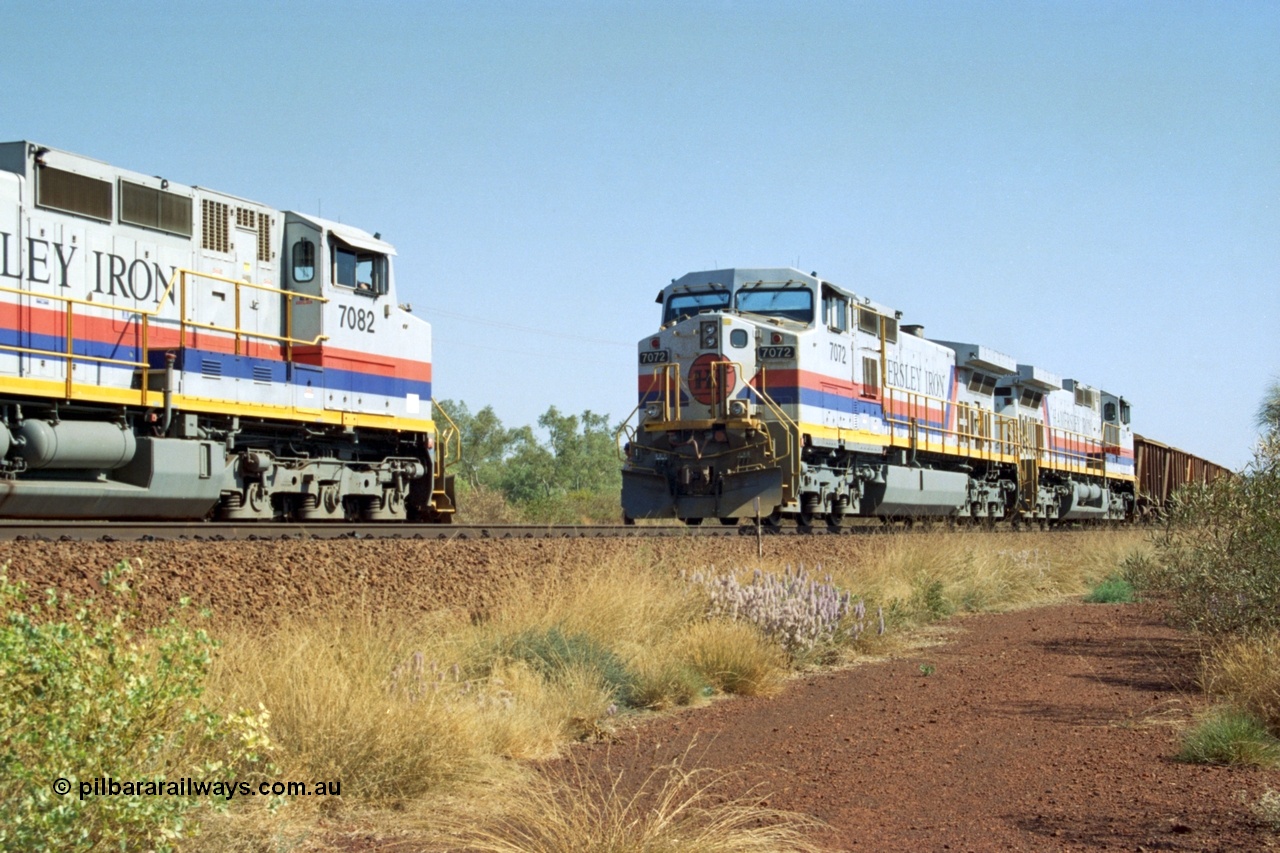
[[773, 391], [167, 351]]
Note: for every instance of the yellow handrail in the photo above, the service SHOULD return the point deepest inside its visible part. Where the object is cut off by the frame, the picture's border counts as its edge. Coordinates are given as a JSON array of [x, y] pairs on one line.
[[180, 278], [1061, 449], [145, 315], [453, 432], [666, 390]]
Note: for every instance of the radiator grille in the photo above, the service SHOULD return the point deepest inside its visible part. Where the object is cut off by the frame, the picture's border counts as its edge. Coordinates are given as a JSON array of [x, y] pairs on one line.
[[215, 233], [73, 193], [264, 237]]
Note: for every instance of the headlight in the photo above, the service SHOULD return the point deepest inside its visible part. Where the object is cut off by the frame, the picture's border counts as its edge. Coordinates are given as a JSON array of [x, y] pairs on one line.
[[738, 408], [652, 411]]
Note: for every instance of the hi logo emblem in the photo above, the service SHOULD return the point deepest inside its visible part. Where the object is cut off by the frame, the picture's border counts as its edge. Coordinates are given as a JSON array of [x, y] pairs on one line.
[[711, 379]]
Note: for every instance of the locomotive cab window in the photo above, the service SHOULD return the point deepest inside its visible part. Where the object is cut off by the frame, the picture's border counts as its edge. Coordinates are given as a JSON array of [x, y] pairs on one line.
[[687, 304], [304, 260], [784, 303], [364, 272]]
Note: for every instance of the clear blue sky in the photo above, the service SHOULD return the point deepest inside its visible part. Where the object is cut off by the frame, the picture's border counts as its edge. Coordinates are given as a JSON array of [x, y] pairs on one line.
[[1091, 187]]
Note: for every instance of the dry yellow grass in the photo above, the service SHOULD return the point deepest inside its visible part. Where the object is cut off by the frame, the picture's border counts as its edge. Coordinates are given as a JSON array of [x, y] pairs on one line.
[[976, 571], [672, 809], [733, 657], [405, 713], [1245, 673], [340, 712]]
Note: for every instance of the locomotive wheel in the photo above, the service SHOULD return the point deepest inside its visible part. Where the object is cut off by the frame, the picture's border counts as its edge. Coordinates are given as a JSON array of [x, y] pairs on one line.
[[772, 522], [258, 499], [804, 522], [835, 520]]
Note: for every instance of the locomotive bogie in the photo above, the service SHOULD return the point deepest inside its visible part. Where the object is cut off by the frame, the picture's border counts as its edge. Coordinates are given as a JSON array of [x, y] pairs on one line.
[[133, 309]]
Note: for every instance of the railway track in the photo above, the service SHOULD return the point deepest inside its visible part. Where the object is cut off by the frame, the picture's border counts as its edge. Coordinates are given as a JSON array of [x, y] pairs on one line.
[[212, 531], [111, 531]]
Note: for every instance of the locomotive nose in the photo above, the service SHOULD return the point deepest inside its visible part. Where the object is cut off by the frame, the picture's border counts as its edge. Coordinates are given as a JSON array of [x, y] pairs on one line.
[[724, 363]]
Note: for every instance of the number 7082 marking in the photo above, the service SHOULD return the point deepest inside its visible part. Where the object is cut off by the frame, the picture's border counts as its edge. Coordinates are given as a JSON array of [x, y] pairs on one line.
[[360, 319]]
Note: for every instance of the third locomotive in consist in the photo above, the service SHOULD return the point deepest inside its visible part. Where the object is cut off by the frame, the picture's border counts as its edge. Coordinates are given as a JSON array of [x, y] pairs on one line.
[[773, 391], [169, 351]]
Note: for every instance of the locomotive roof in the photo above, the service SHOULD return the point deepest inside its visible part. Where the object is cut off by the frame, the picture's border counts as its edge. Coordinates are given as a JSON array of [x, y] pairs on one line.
[[733, 278], [981, 357], [18, 157], [349, 234]]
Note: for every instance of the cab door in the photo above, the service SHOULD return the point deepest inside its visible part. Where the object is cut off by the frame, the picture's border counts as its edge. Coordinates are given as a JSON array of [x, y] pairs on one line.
[[304, 270], [302, 316]]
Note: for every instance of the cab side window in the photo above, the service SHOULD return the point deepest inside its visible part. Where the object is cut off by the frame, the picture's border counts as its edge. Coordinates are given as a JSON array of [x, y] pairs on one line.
[[836, 310], [363, 272]]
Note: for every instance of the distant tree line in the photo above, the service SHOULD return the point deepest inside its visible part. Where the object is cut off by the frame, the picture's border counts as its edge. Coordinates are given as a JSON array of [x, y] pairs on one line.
[[570, 472]]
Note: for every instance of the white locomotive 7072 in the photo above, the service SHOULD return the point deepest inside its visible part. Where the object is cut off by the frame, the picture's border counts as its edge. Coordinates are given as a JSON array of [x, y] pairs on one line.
[[773, 391]]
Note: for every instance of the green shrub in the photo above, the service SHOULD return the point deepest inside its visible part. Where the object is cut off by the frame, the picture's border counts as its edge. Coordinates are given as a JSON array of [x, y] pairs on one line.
[[1220, 551], [552, 652], [928, 602], [928, 597], [84, 696], [1230, 736], [1111, 590], [1141, 570]]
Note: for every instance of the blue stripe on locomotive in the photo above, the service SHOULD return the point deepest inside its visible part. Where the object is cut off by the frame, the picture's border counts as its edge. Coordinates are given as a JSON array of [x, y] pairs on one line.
[[210, 363], [228, 365]]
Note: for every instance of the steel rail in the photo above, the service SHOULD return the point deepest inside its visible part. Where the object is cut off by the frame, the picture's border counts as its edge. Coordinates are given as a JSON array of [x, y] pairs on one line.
[[214, 531], [83, 531]]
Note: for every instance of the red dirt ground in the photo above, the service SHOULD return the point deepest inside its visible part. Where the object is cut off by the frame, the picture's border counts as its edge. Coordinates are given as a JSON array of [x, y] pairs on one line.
[[1047, 729]]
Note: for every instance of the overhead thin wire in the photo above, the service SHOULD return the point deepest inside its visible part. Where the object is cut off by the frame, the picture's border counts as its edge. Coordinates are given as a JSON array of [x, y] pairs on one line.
[[436, 312]]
